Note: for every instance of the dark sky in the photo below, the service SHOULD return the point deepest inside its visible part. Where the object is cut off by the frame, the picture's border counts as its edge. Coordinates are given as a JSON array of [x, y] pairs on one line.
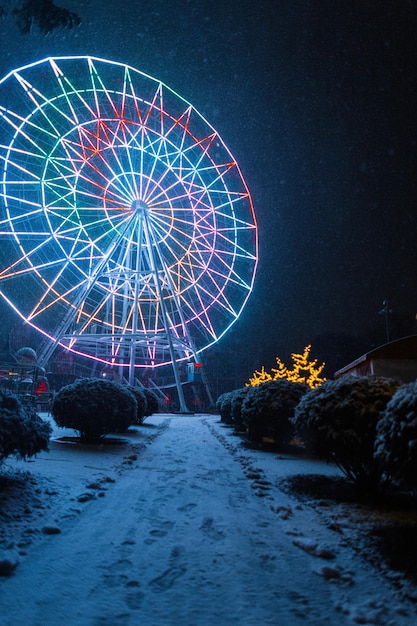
[[317, 102]]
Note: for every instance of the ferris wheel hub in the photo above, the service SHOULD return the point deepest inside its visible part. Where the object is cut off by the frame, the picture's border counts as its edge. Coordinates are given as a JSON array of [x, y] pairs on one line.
[[140, 206]]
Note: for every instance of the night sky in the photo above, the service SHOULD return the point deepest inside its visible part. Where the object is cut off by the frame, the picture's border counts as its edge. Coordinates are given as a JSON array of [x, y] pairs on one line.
[[317, 101]]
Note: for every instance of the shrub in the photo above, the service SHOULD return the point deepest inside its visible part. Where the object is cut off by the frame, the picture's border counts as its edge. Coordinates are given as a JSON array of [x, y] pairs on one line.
[[94, 407], [224, 407], [338, 420], [152, 405], [396, 438], [267, 410], [237, 399], [219, 402], [22, 432], [141, 402]]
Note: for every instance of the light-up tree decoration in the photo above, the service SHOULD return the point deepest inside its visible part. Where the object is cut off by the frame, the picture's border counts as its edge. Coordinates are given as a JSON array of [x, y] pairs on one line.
[[128, 233], [303, 371], [259, 377]]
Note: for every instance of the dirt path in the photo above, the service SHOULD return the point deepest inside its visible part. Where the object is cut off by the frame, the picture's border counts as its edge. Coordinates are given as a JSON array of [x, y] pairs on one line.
[[181, 538]]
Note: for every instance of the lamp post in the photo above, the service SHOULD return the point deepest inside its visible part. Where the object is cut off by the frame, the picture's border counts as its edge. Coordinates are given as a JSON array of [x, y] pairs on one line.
[[386, 311]]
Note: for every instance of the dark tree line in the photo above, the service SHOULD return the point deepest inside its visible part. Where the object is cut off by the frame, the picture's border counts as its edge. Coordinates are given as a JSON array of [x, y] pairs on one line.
[[43, 14]]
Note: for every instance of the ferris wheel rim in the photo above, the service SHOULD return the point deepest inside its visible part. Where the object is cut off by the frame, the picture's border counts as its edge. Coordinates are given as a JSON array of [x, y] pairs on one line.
[[160, 233]]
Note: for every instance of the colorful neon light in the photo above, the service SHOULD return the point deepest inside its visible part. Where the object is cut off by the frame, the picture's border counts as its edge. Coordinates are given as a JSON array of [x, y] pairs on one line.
[[123, 215]]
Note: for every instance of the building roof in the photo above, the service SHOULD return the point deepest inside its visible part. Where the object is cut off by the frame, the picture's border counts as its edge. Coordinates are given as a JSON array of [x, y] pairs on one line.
[[400, 349]]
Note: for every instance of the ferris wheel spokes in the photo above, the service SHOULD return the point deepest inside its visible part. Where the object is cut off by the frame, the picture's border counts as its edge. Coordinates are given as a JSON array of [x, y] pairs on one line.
[[123, 215]]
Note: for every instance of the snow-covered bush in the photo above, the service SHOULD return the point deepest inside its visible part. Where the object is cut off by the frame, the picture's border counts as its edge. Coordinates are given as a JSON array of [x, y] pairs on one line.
[[22, 432], [141, 402], [267, 409], [220, 400], [396, 438], [224, 407], [94, 407], [238, 396], [338, 421], [152, 405]]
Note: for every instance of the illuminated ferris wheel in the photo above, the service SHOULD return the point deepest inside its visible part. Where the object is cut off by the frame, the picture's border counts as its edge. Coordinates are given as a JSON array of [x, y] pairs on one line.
[[127, 230]]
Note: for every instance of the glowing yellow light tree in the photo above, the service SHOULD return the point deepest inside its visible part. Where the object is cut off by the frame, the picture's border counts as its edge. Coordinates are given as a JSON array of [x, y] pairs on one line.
[[280, 371], [303, 371], [259, 377]]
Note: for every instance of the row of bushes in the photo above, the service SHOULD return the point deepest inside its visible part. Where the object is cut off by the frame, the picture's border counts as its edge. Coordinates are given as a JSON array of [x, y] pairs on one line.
[[92, 407], [366, 425], [263, 412]]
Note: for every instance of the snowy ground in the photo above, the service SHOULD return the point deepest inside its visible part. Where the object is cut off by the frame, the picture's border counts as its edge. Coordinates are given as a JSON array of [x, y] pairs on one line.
[[179, 523]]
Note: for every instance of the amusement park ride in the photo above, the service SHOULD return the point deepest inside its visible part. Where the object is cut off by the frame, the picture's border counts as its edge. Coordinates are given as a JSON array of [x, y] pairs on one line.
[[128, 234]]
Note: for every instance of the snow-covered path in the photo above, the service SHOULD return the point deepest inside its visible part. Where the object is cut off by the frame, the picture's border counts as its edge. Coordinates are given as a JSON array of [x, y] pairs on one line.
[[184, 538]]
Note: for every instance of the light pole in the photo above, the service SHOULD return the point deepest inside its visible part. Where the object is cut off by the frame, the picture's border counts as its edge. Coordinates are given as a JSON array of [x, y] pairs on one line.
[[386, 311]]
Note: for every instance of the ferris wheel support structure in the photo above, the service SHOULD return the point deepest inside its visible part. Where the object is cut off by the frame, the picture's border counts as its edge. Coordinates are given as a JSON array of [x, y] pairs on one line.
[[144, 226], [144, 237]]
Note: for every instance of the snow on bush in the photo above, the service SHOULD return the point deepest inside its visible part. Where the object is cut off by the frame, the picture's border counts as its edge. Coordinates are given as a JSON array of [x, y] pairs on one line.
[[94, 407], [267, 409], [141, 402], [396, 439], [237, 399], [224, 407], [22, 432], [152, 405], [338, 421]]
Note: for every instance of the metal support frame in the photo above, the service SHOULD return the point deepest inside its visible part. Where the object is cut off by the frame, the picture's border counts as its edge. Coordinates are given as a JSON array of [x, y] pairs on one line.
[[130, 339]]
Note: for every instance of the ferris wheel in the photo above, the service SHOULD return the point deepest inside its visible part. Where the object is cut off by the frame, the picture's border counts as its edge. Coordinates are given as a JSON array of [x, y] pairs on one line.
[[127, 231]]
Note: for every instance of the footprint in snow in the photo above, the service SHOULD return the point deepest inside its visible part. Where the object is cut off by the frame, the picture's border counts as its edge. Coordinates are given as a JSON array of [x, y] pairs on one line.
[[208, 527], [167, 579], [187, 507], [134, 599], [175, 570], [158, 533]]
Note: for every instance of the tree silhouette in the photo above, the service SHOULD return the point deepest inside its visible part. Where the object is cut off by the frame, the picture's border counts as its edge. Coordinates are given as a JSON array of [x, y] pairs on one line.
[[45, 15]]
